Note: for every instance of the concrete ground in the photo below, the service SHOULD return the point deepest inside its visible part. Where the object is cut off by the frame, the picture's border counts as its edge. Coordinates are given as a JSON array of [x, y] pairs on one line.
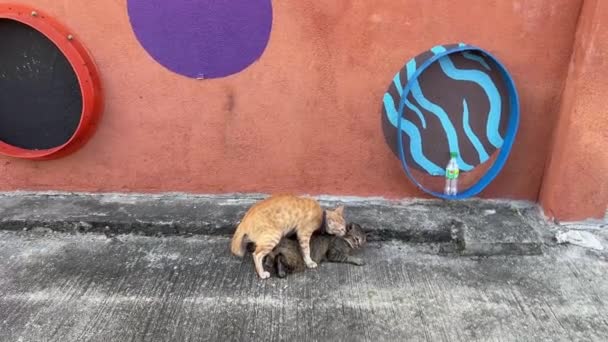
[[88, 287]]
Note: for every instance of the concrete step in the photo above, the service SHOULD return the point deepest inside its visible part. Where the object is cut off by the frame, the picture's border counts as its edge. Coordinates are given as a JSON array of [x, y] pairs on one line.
[[476, 227]]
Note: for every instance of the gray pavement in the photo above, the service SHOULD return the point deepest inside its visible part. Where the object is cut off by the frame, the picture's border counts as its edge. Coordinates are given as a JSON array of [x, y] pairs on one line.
[[89, 287]]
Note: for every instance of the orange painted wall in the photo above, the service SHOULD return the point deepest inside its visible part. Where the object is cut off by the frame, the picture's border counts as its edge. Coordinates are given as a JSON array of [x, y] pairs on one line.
[[576, 182], [306, 116]]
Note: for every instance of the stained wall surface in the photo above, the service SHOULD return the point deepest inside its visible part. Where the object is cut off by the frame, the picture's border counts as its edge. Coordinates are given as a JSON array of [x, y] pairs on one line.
[[575, 185], [304, 116]]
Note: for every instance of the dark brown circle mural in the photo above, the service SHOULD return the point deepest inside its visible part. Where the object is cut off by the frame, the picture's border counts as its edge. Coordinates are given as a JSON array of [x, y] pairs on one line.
[[451, 98], [454, 106]]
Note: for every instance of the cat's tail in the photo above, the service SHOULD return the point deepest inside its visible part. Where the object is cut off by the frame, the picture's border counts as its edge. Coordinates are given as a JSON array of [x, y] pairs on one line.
[[237, 246]]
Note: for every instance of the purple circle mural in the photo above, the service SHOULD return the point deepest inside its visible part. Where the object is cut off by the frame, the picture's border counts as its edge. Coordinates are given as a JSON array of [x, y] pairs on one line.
[[204, 38]]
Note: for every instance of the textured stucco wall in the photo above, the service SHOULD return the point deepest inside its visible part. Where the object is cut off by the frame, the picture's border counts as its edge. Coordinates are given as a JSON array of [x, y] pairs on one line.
[[306, 116], [576, 182]]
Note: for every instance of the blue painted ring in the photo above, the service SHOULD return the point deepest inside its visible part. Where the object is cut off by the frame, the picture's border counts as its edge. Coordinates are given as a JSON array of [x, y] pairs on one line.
[[509, 138]]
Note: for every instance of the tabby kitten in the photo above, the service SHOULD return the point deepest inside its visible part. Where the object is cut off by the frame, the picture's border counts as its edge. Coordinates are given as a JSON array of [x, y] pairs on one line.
[[287, 258], [267, 221]]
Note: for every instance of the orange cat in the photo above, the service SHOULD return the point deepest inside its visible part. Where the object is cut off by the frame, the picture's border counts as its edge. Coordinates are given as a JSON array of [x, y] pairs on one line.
[[267, 221]]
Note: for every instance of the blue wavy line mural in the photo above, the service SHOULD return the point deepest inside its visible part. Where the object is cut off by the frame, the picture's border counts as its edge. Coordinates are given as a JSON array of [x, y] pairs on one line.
[[446, 123], [484, 81], [458, 104], [477, 59], [412, 131], [483, 155], [397, 81]]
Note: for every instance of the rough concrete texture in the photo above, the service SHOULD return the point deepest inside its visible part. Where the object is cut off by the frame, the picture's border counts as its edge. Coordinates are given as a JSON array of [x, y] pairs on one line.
[[480, 227], [86, 287], [497, 232]]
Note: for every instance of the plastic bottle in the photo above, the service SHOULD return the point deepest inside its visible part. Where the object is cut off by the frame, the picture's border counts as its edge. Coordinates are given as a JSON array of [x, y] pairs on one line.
[[451, 175]]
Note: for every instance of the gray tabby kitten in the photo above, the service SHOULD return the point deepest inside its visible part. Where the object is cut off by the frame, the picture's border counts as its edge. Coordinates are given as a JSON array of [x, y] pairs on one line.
[[286, 257]]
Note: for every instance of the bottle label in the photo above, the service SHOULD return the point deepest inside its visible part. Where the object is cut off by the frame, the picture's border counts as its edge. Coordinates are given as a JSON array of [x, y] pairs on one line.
[[452, 174]]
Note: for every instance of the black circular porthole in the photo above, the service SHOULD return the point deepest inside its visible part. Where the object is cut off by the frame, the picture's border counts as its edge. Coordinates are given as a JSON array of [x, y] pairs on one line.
[[40, 98], [50, 93]]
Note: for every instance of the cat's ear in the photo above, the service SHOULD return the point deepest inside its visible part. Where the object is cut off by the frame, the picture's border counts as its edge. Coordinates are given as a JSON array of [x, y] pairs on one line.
[[340, 210]]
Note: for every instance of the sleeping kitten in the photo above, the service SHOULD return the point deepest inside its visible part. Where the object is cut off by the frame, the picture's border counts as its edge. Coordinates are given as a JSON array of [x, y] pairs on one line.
[[287, 258], [267, 221]]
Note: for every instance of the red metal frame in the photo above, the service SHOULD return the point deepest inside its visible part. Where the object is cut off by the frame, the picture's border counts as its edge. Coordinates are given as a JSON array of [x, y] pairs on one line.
[[86, 73]]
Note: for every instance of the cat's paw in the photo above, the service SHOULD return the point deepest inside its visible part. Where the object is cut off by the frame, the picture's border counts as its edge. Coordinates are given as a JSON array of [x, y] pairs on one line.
[[359, 262], [264, 275], [311, 264]]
